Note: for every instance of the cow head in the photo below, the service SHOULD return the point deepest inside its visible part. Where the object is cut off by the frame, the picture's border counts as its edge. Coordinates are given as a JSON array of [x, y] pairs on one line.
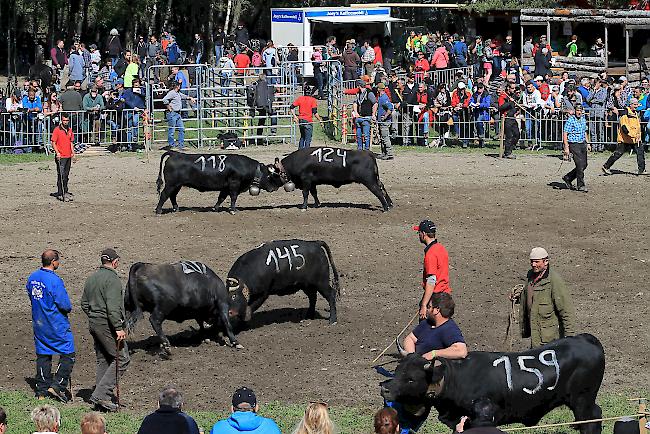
[[238, 298], [270, 178], [417, 381]]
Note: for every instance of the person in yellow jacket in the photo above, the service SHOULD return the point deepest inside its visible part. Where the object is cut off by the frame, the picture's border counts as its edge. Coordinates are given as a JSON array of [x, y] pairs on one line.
[[629, 136]]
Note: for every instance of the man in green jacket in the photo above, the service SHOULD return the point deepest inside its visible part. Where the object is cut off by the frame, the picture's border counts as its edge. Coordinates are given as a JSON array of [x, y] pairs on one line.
[[546, 311], [103, 303]]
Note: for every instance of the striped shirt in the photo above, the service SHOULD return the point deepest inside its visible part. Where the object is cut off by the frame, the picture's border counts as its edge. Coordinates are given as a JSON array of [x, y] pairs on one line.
[[576, 129]]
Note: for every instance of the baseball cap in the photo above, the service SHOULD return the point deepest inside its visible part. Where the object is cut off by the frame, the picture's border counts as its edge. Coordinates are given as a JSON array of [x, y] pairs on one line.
[[539, 78], [119, 81], [622, 78], [425, 226], [109, 254], [244, 395], [538, 253]]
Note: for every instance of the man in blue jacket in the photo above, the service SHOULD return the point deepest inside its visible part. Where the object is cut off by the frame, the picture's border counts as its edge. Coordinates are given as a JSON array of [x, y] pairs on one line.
[[244, 417], [52, 333], [480, 103], [134, 104]]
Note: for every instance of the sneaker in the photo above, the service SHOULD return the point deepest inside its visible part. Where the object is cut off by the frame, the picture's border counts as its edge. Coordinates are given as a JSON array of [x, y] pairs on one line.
[[606, 171], [389, 157], [568, 183], [104, 405], [59, 395], [55, 194], [69, 197], [641, 172], [510, 157], [583, 189]]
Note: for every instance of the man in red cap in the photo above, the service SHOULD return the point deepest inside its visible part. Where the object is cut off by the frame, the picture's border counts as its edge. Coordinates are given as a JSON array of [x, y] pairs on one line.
[[435, 272]]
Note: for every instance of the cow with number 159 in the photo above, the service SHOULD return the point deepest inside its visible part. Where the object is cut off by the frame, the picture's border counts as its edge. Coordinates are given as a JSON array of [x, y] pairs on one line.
[[310, 167]]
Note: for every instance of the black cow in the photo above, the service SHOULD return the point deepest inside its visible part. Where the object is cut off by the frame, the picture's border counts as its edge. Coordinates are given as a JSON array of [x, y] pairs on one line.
[[187, 290], [229, 174], [310, 167], [524, 386], [281, 268]]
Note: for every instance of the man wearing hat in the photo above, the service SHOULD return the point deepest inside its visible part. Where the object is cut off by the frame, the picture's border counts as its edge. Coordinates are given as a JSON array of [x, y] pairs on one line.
[[364, 110], [629, 136], [435, 271], [103, 302], [546, 311], [244, 417]]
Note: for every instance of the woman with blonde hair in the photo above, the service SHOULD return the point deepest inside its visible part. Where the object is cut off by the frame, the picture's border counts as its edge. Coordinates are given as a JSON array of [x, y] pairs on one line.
[[316, 420], [386, 421]]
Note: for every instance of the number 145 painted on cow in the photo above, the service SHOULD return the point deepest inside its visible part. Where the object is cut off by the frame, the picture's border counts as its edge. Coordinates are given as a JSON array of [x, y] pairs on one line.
[[324, 154], [521, 361]]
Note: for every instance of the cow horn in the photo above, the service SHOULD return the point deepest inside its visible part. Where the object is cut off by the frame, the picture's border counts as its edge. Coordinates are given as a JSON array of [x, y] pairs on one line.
[[232, 284]]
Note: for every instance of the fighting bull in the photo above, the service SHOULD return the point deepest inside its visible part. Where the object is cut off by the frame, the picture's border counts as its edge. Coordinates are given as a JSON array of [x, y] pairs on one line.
[[524, 386], [307, 168], [229, 174], [281, 268], [187, 290]]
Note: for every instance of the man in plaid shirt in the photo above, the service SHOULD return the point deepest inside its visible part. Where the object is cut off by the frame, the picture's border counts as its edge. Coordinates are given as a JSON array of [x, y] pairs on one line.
[[575, 142]]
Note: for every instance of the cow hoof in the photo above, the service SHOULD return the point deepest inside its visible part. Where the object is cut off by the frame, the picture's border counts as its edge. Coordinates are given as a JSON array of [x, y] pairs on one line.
[[175, 209], [318, 205], [239, 346], [303, 209], [158, 212], [215, 208], [231, 212], [334, 323]]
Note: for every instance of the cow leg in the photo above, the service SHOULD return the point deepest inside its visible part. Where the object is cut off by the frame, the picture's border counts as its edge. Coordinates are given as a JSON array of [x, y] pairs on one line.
[[156, 319], [225, 320], [377, 191], [172, 199], [305, 196], [233, 201], [388, 199], [585, 408], [255, 304], [311, 311], [314, 194], [164, 195], [223, 194], [329, 294]]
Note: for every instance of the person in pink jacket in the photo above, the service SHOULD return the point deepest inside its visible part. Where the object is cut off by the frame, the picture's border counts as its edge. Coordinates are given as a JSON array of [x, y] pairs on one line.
[[440, 58]]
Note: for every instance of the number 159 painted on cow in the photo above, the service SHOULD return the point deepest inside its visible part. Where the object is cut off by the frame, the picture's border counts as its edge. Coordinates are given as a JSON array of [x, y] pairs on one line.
[[521, 361]]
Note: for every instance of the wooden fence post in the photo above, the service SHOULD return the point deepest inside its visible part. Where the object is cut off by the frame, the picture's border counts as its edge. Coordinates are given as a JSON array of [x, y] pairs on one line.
[[643, 419]]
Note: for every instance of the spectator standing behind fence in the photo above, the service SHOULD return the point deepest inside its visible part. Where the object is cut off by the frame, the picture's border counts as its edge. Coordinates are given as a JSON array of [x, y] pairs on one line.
[[385, 110], [480, 103], [368, 58], [134, 103], [62, 139], [93, 105], [460, 52], [509, 109], [92, 423], [575, 140], [173, 101], [59, 58], [76, 70], [364, 109], [597, 100], [169, 417], [409, 101], [629, 137], [263, 98], [350, 62], [132, 71], [316, 420], [219, 39], [46, 419], [52, 333], [198, 49], [307, 110], [241, 38], [244, 417], [113, 46], [440, 59]]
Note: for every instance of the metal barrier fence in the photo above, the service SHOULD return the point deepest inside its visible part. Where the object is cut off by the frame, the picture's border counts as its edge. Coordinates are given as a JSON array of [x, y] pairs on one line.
[[223, 103], [116, 129], [464, 127]]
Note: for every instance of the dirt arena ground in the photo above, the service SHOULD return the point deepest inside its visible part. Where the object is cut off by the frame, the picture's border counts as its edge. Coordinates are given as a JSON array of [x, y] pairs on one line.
[[489, 214]]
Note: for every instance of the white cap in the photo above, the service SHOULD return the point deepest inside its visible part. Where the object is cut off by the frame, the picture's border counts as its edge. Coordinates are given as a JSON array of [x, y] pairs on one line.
[[461, 85], [538, 253], [539, 78], [622, 78]]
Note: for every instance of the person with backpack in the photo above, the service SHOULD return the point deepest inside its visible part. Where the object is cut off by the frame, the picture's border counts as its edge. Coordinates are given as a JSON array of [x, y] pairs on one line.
[[264, 95], [364, 110], [114, 46]]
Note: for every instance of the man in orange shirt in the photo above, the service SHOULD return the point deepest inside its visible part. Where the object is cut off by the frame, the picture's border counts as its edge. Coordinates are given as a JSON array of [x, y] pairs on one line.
[[435, 273], [242, 61], [307, 110], [62, 138]]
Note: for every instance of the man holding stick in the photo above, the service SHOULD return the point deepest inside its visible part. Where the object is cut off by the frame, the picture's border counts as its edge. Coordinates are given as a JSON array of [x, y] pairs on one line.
[[103, 303]]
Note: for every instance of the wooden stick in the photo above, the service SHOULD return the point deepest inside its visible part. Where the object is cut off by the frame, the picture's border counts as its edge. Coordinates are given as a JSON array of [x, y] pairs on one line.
[[578, 422], [502, 136], [400, 333]]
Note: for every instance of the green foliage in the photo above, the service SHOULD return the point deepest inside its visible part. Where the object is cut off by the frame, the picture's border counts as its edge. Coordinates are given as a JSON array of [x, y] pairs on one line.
[[6, 159]]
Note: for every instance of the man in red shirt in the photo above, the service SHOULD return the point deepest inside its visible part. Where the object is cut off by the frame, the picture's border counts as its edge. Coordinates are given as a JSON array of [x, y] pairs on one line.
[[242, 61], [62, 138], [435, 273], [307, 110]]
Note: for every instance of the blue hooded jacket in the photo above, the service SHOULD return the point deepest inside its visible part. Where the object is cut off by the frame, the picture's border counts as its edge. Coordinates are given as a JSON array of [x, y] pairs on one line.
[[245, 422], [50, 308]]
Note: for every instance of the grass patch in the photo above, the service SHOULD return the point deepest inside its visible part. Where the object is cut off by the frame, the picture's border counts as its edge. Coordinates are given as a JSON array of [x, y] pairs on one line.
[[349, 420], [9, 159]]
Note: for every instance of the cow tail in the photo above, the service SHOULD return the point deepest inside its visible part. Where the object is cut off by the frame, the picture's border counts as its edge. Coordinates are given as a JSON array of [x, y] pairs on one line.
[[159, 181], [335, 272], [131, 305]]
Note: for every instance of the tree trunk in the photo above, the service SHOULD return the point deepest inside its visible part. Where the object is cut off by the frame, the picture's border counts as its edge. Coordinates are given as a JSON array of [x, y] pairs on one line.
[[84, 23], [208, 38], [226, 25], [168, 14], [236, 15], [152, 23]]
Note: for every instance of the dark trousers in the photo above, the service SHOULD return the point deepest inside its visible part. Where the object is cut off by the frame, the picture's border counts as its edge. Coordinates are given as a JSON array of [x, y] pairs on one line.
[[511, 135], [63, 173], [60, 381], [106, 352], [350, 73], [621, 149], [579, 152], [262, 114], [306, 130]]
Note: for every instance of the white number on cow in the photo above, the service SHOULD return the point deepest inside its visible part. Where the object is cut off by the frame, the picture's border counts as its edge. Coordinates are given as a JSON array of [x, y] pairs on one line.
[[324, 154], [213, 159], [276, 254], [521, 362]]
